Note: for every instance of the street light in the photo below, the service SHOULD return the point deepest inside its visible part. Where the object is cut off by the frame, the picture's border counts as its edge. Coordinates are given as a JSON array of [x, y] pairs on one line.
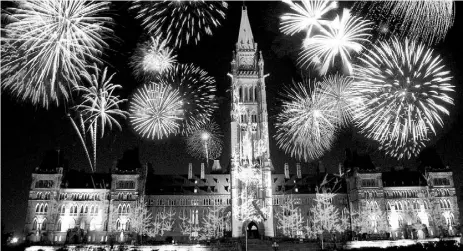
[[205, 137], [275, 246]]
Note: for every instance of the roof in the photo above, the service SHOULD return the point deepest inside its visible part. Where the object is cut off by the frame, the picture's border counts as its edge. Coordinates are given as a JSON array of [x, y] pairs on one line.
[[245, 38], [77, 179], [403, 178]]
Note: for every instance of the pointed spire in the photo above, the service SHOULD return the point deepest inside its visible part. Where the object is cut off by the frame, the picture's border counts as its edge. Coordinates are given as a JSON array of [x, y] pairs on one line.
[[245, 38]]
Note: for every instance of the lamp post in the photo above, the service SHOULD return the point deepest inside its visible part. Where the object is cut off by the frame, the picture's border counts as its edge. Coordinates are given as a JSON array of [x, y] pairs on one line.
[[275, 246], [205, 137]]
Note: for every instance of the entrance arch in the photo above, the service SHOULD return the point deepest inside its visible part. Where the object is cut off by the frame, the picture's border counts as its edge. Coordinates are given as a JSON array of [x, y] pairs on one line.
[[253, 230]]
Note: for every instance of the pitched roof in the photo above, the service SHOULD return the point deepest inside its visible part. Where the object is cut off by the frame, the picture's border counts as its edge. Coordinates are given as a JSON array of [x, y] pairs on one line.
[[245, 38]]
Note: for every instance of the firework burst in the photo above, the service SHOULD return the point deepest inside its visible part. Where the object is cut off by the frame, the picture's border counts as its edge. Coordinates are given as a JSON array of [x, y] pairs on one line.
[[99, 108], [426, 20], [404, 89], [180, 22], [152, 57], [344, 35], [156, 110], [307, 16], [197, 90], [306, 127], [205, 142], [341, 97], [53, 39]]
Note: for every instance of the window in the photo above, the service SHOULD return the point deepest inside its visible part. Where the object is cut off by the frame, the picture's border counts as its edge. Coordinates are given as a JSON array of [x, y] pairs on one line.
[[44, 225], [34, 224], [254, 118], [241, 94], [126, 184], [368, 183], [441, 182], [58, 225], [255, 94], [62, 210], [44, 184], [93, 225]]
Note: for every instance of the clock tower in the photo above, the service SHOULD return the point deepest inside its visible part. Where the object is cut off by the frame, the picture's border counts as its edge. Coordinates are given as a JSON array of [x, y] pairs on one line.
[[251, 166]]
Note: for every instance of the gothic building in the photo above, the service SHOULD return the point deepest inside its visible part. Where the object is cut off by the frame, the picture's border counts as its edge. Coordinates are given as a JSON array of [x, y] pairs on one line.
[[66, 206]]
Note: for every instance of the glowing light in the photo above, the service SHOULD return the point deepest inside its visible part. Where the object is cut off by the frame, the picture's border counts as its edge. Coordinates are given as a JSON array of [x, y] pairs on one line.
[[197, 91], [344, 35], [404, 89], [51, 42], [427, 21], [99, 108], [307, 124], [156, 110], [205, 142], [339, 91], [307, 15], [152, 57], [180, 22], [14, 240]]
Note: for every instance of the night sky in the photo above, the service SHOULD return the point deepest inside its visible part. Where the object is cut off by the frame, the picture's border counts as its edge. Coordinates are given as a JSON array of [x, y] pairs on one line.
[[27, 132]]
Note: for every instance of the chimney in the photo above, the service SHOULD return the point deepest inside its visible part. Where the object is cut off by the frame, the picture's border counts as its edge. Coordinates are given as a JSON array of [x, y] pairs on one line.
[[298, 169], [202, 171], [190, 171], [286, 171], [216, 166]]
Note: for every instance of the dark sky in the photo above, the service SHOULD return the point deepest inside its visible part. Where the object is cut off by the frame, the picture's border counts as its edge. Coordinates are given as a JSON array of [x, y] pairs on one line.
[[28, 132]]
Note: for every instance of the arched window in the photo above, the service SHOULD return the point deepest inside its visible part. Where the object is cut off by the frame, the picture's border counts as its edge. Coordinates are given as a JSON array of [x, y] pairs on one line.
[[96, 210], [86, 209], [119, 209], [105, 226], [92, 210], [246, 97], [44, 225], [82, 209], [59, 225], [46, 208], [118, 224], [128, 209], [196, 216], [82, 224], [37, 208], [34, 224], [251, 94], [63, 209], [255, 94], [241, 94], [127, 226]]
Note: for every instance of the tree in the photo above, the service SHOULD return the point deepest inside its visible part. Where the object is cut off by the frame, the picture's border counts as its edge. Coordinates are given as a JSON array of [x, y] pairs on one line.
[[140, 218], [162, 222], [369, 219], [214, 222], [188, 225], [325, 215], [289, 217]]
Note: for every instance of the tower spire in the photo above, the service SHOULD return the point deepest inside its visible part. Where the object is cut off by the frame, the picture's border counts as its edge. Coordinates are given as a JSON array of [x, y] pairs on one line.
[[245, 38]]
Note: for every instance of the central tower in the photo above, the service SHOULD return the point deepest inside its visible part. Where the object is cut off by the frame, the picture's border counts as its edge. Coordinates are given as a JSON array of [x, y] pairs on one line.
[[251, 165]]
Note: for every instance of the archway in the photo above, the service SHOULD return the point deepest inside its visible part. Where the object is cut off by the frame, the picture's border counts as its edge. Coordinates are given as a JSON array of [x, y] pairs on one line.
[[253, 231]]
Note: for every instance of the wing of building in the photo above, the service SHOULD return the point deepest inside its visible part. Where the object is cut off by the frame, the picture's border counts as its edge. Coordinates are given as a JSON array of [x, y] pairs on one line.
[[210, 202]]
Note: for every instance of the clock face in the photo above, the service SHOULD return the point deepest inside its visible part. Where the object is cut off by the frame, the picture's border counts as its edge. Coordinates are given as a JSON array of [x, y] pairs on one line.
[[245, 61]]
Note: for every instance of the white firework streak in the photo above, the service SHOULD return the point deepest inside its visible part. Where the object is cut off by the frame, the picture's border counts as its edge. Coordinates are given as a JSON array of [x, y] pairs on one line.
[[307, 125], [156, 110], [403, 87], [307, 15], [344, 35]]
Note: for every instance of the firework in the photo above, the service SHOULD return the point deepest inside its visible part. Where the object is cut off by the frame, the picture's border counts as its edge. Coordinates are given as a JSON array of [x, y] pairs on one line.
[[156, 110], [404, 89], [341, 97], [152, 57], [205, 142], [98, 109], [307, 15], [180, 22], [197, 91], [306, 127], [343, 36], [53, 39], [427, 20]]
